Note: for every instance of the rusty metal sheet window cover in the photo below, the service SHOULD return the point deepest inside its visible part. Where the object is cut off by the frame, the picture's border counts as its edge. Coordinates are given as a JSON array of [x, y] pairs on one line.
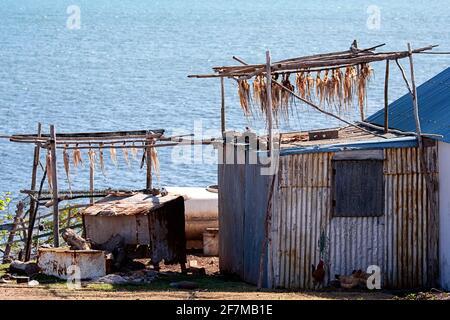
[[358, 188]]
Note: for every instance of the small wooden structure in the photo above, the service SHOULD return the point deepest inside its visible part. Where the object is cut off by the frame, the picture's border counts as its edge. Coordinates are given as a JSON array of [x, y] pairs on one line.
[[352, 197], [141, 219]]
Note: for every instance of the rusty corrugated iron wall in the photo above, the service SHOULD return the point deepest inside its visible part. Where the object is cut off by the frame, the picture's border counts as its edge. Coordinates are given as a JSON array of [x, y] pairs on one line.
[[399, 241], [301, 214], [410, 257]]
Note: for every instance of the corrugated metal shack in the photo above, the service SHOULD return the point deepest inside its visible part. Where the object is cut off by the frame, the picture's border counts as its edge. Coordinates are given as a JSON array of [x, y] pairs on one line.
[[434, 103], [307, 224], [365, 194]]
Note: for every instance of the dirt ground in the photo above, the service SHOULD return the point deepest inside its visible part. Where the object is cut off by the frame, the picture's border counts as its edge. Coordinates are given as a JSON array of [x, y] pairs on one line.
[[16, 292], [211, 285]]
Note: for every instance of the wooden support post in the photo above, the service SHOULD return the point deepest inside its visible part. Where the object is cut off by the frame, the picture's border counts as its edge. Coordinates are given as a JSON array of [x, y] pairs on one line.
[[414, 95], [33, 204], [54, 187], [148, 158], [269, 100], [386, 102], [222, 108], [16, 222], [431, 187]]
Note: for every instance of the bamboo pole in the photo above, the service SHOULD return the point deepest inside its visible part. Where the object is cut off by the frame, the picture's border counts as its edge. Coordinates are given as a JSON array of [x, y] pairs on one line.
[[269, 100], [148, 156], [54, 187], [386, 101], [222, 106]]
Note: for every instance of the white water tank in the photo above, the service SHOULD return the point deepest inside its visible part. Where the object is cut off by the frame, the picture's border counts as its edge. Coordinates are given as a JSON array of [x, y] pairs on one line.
[[201, 212]]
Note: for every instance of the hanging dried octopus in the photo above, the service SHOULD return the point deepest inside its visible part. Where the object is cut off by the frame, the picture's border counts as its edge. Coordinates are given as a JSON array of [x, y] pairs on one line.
[[324, 85], [91, 155], [77, 160], [364, 75], [125, 154], [134, 151], [48, 167], [300, 81], [244, 96], [101, 159], [113, 154], [334, 92], [66, 159], [155, 163], [286, 97], [276, 97], [349, 85], [309, 85], [318, 84], [260, 93]]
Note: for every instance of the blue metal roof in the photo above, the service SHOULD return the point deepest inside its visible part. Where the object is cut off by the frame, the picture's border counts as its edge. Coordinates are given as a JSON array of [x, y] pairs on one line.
[[404, 142], [434, 108]]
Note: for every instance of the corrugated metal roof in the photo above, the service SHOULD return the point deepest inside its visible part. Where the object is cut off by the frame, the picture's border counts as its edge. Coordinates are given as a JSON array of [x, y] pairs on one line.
[[127, 205], [374, 144], [434, 108]]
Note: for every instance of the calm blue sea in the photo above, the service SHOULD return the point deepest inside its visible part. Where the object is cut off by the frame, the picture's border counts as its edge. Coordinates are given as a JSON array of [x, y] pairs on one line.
[[127, 66]]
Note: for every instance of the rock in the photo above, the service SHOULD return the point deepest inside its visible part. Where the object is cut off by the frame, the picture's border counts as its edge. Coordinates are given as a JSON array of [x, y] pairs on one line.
[[112, 279], [28, 268], [33, 283], [137, 277], [190, 285], [75, 241]]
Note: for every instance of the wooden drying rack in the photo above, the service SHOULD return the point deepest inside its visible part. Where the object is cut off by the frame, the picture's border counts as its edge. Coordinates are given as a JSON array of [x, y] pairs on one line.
[[143, 139]]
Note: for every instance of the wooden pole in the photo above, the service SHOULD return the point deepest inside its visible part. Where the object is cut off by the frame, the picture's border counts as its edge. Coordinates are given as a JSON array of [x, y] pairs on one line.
[[386, 101], [35, 167], [269, 100], [431, 186], [17, 218], [148, 157], [32, 210], [54, 187], [414, 94], [267, 226], [222, 108]]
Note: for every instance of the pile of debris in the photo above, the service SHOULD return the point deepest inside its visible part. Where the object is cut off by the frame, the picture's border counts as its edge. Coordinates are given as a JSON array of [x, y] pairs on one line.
[[21, 273], [358, 279], [135, 278]]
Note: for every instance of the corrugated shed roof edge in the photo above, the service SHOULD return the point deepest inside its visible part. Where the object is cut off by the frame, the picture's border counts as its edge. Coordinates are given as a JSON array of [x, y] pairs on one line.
[[404, 142]]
